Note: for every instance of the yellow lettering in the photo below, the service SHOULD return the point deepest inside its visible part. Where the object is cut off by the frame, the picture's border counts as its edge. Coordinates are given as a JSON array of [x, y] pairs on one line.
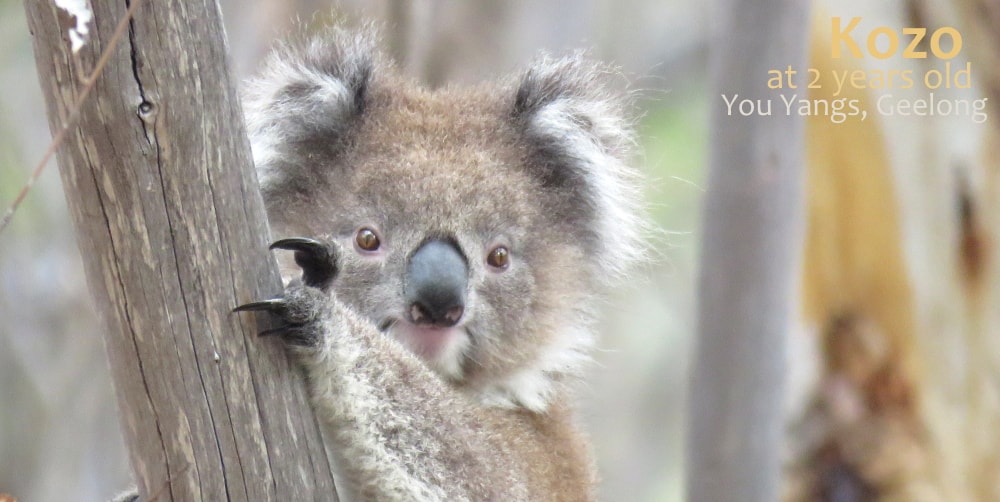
[[844, 36], [956, 42], [911, 50]]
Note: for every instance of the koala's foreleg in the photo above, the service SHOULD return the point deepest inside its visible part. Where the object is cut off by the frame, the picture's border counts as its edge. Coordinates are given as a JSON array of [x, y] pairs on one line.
[[404, 433]]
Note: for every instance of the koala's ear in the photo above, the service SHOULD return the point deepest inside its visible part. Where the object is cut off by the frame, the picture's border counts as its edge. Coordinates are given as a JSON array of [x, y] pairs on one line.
[[583, 142], [306, 98]]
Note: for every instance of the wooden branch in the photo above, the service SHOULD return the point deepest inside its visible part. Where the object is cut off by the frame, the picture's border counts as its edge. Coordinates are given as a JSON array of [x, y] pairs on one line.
[[172, 230], [753, 219]]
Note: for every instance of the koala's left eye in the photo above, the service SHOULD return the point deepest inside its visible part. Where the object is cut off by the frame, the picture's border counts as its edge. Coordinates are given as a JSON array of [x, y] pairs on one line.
[[499, 258], [367, 240]]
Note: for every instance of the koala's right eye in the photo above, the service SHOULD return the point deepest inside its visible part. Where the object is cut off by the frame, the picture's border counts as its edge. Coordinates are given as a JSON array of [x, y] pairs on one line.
[[499, 258], [367, 240]]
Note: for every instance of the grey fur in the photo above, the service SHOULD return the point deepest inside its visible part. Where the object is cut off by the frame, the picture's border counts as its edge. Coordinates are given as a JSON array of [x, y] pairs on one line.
[[538, 164]]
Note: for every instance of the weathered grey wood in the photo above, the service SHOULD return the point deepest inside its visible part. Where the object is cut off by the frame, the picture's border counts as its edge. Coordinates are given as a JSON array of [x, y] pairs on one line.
[[749, 257], [172, 231]]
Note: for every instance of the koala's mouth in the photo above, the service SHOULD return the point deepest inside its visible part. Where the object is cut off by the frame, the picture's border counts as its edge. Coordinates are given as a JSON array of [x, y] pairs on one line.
[[441, 348], [427, 342]]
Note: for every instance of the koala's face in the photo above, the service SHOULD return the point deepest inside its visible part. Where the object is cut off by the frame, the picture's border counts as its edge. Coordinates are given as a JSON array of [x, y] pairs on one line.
[[472, 223]]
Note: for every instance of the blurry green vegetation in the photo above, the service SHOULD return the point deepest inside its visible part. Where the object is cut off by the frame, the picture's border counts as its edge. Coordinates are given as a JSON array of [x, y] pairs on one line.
[[674, 137], [14, 173], [15, 164]]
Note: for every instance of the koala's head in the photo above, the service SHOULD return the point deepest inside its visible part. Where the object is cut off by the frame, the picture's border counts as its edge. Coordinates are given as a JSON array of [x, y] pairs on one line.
[[475, 225]]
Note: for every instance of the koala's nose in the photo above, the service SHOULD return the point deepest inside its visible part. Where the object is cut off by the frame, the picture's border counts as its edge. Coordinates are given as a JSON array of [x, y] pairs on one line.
[[435, 283]]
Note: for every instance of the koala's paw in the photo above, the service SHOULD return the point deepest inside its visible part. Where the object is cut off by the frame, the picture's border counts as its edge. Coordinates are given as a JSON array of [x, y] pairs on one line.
[[300, 310]]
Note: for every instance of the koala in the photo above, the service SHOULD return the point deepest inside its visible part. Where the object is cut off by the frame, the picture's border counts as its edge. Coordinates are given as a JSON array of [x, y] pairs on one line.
[[449, 248]]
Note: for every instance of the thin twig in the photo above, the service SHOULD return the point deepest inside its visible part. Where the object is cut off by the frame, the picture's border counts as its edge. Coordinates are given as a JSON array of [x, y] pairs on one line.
[[60, 135]]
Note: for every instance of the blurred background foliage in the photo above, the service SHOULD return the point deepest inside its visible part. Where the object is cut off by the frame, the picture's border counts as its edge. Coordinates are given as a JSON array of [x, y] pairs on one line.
[[59, 437]]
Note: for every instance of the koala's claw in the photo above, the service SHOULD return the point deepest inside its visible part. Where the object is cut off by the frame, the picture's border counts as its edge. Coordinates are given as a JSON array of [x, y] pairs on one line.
[[298, 312], [317, 259], [275, 305]]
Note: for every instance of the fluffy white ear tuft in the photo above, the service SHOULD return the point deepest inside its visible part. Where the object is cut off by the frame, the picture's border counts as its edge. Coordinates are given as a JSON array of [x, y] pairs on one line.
[[308, 92], [572, 117]]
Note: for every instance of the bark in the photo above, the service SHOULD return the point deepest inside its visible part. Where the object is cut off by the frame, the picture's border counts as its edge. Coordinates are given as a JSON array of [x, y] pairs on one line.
[[753, 219], [172, 230]]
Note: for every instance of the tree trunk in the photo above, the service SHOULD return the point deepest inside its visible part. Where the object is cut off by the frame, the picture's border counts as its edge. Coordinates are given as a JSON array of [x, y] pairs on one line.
[[172, 231], [753, 220]]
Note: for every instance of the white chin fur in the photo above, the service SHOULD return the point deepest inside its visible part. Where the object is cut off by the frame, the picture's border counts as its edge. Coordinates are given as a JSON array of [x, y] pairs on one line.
[[533, 388], [444, 355]]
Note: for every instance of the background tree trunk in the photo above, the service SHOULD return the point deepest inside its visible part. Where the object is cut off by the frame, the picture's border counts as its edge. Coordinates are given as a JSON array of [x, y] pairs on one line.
[[753, 219], [172, 231]]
